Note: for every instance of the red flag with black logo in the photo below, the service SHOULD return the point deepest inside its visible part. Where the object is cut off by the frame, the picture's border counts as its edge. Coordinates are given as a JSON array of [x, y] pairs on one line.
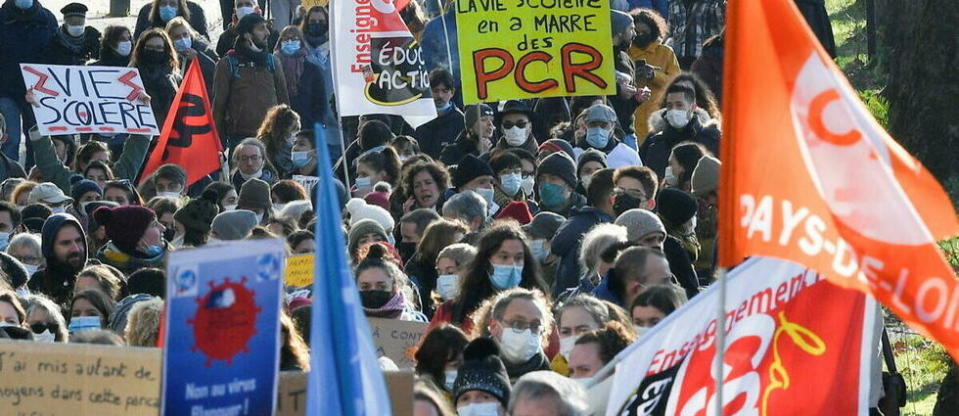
[[189, 137]]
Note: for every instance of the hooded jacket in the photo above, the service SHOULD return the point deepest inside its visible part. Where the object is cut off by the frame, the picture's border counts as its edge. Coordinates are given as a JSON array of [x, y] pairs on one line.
[[56, 280], [656, 149]]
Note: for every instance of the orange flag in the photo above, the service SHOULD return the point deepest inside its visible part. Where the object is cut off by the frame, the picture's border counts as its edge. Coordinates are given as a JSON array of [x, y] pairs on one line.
[[189, 137], [809, 176]]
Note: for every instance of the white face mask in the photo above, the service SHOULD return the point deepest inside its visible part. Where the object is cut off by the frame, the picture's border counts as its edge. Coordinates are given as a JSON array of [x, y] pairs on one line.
[[75, 30], [31, 269], [566, 345], [449, 379], [243, 11], [4, 241], [585, 381], [447, 285], [58, 210], [124, 47], [479, 409], [46, 336], [229, 207], [177, 241], [586, 179], [487, 194], [515, 136], [518, 347], [677, 118], [277, 207], [640, 330], [528, 183], [256, 174], [671, 179], [169, 194]]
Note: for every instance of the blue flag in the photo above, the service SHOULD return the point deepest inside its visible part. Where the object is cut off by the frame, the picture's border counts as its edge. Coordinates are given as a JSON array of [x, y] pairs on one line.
[[345, 377]]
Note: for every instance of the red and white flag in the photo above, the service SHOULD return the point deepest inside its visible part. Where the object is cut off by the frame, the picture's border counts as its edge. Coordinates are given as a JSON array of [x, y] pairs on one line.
[[809, 176]]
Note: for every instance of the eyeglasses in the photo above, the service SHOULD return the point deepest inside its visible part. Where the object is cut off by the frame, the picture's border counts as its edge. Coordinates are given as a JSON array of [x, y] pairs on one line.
[[521, 124], [251, 158], [635, 193], [521, 325], [39, 327]]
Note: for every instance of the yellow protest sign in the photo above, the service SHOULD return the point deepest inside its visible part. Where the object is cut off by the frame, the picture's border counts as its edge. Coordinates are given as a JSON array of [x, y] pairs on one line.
[[299, 271], [307, 4], [534, 48]]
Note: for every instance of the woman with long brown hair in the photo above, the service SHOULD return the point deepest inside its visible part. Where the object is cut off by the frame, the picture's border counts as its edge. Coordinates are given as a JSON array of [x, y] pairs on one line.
[[159, 69], [278, 134]]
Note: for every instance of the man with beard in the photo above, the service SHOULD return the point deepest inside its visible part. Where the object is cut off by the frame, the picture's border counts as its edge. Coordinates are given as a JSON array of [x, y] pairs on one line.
[[655, 63], [628, 96], [248, 75], [64, 245]]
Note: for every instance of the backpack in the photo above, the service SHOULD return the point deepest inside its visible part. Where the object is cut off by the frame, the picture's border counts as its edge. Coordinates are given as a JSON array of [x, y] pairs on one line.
[[235, 64]]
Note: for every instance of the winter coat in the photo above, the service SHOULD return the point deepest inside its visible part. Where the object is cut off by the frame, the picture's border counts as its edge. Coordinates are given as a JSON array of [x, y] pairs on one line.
[[440, 132], [311, 93], [127, 165], [243, 92], [11, 169], [681, 266], [110, 57], [692, 22], [128, 263], [423, 275], [161, 83], [208, 58], [618, 154], [63, 52], [567, 242], [624, 107], [197, 20], [657, 147], [462, 146], [655, 54], [25, 37]]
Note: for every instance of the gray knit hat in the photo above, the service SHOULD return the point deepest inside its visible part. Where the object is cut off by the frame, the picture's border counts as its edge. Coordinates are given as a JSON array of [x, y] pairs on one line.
[[233, 225], [255, 194], [706, 176], [361, 228], [544, 225], [640, 223], [560, 165]]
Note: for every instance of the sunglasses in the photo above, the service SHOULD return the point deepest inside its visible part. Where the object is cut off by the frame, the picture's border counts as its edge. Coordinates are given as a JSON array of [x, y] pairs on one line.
[[39, 327], [521, 124]]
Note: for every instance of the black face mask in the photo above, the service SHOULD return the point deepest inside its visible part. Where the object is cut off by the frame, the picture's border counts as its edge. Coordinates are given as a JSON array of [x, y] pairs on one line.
[[640, 41], [154, 57], [375, 299], [407, 250], [624, 203], [316, 29], [168, 234]]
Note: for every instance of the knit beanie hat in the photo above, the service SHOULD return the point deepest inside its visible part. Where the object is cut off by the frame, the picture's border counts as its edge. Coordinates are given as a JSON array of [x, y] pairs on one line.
[[233, 225], [706, 176], [482, 370], [470, 167], [560, 165], [619, 21], [558, 145], [125, 225], [676, 206], [544, 225], [517, 210], [474, 112], [147, 281], [640, 223], [591, 155], [51, 227], [255, 194], [198, 214], [361, 228], [378, 198], [82, 186], [359, 210], [118, 318]]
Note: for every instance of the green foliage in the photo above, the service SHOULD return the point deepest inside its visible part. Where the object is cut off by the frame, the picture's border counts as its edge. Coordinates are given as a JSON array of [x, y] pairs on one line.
[[877, 105]]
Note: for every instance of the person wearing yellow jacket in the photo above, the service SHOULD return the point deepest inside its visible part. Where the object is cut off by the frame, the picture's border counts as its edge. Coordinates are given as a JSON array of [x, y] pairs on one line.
[[661, 65]]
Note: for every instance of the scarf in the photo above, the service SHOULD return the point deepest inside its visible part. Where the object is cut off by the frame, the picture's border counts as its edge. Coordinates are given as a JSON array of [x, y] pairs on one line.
[[292, 69], [687, 238], [392, 309], [244, 52], [73, 44]]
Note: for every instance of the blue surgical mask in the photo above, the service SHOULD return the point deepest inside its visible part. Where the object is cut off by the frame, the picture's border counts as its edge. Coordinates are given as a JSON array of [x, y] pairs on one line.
[[506, 276], [552, 195], [183, 44], [167, 13], [597, 137], [4, 241], [84, 323], [23, 4], [443, 109], [511, 183], [154, 250], [539, 250], [364, 182], [289, 47], [300, 159]]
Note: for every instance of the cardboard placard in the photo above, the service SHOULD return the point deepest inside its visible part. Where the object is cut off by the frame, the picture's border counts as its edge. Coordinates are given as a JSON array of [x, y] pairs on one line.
[[395, 338], [292, 398], [88, 99], [534, 48], [299, 270]]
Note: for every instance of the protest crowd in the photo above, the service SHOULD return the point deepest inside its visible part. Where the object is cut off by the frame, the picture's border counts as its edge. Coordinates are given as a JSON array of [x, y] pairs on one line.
[[536, 237]]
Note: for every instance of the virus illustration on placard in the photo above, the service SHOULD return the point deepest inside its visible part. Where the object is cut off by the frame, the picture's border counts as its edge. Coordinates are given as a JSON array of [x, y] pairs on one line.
[[225, 321]]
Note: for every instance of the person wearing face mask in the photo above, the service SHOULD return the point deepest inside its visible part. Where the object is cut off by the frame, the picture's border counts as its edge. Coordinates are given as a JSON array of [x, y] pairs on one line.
[[451, 261], [424, 268], [476, 137], [45, 319], [250, 161], [515, 127], [519, 321], [655, 62], [541, 231], [25, 247], [247, 74], [12, 315], [482, 385], [84, 192], [677, 209], [48, 194], [303, 154], [9, 222], [278, 132], [115, 47], [28, 31], [503, 261], [508, 180], [556, 181], [64, 246], [315, 28], [628, 95], [157, 13], [76, 43], [681, 119], [600, 135], [440, 355], [159, 66], [385, 291], [442, 130], [304, 79], [90, 310], [588, 163], [136, 238], [578, 315], [653, 305], [634, 187], [682, 163], [237, 11], [473, 174], [189, 45]]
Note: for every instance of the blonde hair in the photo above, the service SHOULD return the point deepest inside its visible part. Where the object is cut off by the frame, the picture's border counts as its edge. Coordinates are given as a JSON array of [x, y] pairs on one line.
[[494, 307], [143, 323]]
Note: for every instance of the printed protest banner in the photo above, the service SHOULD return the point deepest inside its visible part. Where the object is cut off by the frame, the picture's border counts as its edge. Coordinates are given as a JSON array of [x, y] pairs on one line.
[[795, 345], [843, 197], [222, 327], [534, 48], [378, 66], [78, 379], [394, 338], [308, 182], [88, 99], [299, 270]]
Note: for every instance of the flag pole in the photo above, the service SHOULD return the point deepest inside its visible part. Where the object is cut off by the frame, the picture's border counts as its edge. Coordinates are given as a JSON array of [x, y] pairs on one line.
[[720, 339], [225, 165], [449, 54]]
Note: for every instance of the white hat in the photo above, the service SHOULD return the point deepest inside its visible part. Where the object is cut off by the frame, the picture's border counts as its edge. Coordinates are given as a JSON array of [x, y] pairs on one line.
[[47, 193]]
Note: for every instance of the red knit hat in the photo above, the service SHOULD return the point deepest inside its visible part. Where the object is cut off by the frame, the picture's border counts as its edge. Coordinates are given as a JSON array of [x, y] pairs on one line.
[[378, 198], [517, 210], [125, 225]]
